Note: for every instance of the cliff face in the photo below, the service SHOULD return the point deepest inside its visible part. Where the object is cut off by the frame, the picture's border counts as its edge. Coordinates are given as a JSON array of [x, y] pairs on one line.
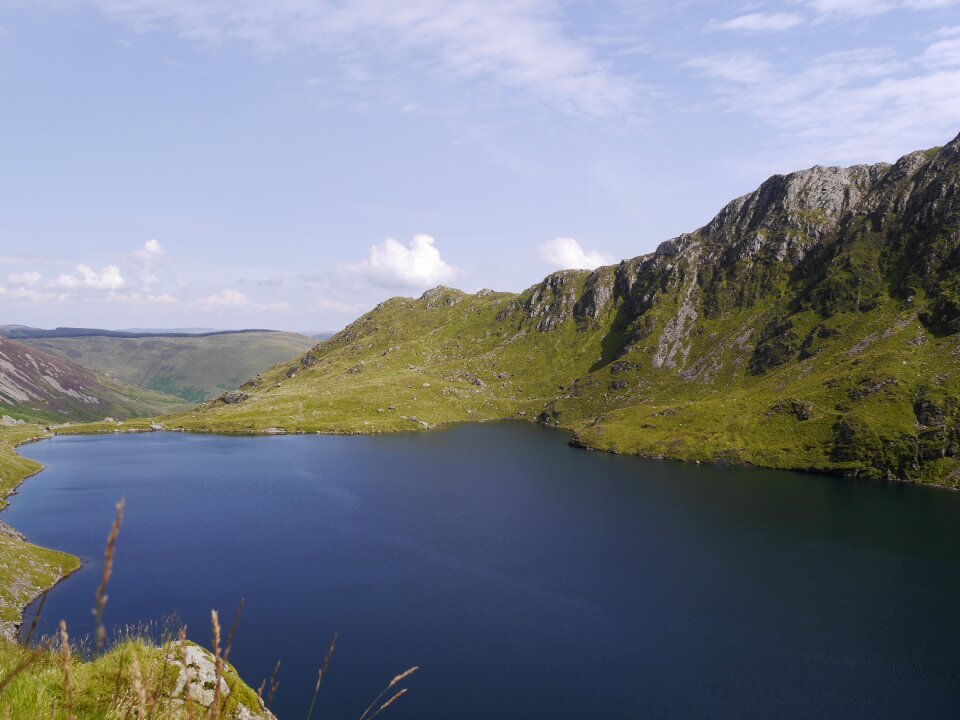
[[810, 324]]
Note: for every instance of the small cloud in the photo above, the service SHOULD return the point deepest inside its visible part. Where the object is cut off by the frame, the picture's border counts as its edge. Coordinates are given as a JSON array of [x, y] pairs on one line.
[[109, 278], [271, 282], [394, 265], [28, 279], [565, 253], [226, 298], [147, 259], [153, 247], [762, 22], [230, 299]]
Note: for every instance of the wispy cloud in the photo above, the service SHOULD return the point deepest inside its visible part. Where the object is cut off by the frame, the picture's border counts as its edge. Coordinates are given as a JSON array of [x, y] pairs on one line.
[[518, 44], [846, 105], [864, 8], [761, 22]]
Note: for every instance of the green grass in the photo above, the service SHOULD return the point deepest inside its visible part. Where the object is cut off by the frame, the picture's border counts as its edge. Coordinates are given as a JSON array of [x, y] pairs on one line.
[[105, 688]]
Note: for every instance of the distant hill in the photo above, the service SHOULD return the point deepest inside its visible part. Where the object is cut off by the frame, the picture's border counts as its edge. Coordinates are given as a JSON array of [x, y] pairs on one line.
[[37, 386], [24, 332], [190, 366], [813, 324]]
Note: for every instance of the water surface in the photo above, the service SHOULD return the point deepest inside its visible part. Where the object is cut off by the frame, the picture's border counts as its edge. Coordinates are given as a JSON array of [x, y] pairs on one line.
[[526, 578]]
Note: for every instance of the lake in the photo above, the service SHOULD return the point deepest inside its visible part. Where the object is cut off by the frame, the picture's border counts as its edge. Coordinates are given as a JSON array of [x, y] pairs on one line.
[[526, 578]]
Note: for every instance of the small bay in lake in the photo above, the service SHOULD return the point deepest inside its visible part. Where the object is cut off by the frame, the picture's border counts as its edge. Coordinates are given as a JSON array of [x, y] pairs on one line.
[[525, 577]]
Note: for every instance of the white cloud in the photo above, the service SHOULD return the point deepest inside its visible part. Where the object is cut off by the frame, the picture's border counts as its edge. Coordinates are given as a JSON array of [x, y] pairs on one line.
[[153, 247], [24, 278], [109, 278], [394, 265], [518, 44], [565, 253], [763, 22]]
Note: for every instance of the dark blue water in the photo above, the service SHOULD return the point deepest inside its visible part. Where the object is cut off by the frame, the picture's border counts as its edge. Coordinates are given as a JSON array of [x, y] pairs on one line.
[[526, 578]]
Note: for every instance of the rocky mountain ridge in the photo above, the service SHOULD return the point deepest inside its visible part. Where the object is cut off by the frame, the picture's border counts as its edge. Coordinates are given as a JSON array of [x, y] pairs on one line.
[[810, 325]]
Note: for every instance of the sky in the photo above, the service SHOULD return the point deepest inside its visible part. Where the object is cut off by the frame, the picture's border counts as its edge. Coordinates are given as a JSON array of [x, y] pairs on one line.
[[290, 163]]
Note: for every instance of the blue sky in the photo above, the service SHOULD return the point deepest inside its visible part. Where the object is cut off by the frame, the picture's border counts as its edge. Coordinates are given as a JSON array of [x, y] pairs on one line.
[[290, 163]]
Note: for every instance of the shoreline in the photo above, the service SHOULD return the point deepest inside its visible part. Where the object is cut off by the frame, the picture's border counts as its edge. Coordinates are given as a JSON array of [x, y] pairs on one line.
[[574, 440], [55, 573]]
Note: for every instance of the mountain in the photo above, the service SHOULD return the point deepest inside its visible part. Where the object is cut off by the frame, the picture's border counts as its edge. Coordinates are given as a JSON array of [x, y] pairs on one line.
[[37, 386], [812, 324], [190, 366]]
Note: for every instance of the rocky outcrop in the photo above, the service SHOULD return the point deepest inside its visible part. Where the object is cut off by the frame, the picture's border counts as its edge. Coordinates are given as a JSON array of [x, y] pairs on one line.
[[233, 397], [550, 303], [197, 684]]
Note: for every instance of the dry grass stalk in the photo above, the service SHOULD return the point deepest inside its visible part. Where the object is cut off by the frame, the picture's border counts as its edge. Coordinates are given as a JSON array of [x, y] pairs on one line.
[[105, 577], [393, 683], [390, 702], [36, 619], [182, 642], [233, 630], [322, 674], [66, 665], [215, 705], [119, 678], [274, 684], [139, 689]]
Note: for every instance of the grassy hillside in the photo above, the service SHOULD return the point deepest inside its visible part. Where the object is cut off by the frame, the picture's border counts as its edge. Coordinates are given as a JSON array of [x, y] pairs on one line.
[[194, 368], [811, 325], [38, 387]]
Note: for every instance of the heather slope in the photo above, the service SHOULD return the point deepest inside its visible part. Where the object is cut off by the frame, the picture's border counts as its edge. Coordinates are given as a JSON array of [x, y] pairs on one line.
[[37, 386], [811, 325]]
